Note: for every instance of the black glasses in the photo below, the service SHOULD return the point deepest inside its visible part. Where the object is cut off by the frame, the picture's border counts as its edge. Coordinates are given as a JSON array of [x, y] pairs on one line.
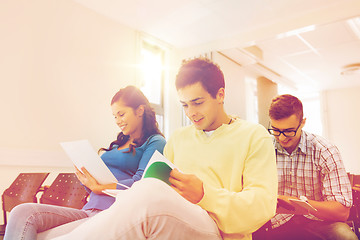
[[286, 133]]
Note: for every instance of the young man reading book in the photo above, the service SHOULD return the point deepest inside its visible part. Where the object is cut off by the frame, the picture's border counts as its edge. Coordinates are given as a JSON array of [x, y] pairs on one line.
[[310, 168], [226, 185]]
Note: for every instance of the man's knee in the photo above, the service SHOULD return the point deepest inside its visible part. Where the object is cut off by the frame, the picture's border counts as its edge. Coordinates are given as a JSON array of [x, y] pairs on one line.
[[147, 196], [151, 191], [343, 231]]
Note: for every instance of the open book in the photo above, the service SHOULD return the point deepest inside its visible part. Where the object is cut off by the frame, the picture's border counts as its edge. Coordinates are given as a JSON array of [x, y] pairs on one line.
[[158, 167], [82, 154], [296, 206]]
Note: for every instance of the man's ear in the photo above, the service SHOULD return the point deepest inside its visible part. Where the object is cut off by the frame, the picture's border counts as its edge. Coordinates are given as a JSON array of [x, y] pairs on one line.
[[303, 122], [140, 111], [220, 96]]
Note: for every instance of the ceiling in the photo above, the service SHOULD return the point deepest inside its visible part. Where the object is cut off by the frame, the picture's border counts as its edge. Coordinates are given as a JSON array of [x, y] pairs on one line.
[[303, 44]]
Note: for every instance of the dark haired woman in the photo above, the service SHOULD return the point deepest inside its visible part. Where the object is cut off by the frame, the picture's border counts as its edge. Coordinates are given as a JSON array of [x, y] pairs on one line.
[[126, 157]]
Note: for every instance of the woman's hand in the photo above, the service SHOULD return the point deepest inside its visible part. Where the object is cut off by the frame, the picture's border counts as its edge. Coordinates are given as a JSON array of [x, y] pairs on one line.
[[187, 185], [88, 180]]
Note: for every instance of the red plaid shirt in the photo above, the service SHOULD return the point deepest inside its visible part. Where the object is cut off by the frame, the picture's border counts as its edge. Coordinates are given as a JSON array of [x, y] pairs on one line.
[[315, 170]]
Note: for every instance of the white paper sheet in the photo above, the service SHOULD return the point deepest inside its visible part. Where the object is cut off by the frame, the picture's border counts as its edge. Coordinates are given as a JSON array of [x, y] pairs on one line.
[[82, 154], [112, 192]]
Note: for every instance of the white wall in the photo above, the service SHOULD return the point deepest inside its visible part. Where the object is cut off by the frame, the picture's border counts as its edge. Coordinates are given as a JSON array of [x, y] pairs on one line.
[[172, 107], [235, 95], [342, 118], [60, 65]]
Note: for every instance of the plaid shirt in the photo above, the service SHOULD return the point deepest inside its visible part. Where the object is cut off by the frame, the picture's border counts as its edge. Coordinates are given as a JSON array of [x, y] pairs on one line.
[[315, 170]]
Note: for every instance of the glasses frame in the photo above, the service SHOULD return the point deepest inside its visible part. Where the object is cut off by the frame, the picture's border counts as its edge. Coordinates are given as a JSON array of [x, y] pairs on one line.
[[285, 133]]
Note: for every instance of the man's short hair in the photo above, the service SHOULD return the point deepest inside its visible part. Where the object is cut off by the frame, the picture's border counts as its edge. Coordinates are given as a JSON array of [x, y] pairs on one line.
[[200, 70], [284, 106]]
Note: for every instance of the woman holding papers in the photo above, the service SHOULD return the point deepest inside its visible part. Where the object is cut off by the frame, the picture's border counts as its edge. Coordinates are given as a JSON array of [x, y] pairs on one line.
[[126, 157]]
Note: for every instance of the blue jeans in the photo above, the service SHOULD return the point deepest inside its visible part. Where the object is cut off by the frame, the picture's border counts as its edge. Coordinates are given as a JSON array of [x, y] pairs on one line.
[[28, 219], [300, 228]]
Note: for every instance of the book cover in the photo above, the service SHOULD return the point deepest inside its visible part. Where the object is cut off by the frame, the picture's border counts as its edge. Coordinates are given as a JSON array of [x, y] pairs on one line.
[[158, 167]]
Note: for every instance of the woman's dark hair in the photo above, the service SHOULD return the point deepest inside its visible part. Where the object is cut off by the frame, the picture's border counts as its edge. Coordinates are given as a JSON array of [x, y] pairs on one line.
[[132, 97], [200, 70]]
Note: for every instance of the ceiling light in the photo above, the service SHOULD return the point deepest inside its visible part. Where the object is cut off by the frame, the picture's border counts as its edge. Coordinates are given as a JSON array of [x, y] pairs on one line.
[[296, 32], [351, 69], [354, 25]]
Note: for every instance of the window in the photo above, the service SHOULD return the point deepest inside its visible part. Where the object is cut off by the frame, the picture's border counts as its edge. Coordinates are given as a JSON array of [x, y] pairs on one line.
[[152, 78], [311, 107], [312, 112]]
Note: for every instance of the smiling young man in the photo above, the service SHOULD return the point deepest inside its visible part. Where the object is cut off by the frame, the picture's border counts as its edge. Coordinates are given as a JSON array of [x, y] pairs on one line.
[[309, 168], [227, 163], [226, 185]]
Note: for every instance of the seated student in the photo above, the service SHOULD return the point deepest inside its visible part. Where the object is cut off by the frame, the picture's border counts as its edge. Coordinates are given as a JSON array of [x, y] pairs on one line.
[[126, 157], [309, 168], [226, 185]]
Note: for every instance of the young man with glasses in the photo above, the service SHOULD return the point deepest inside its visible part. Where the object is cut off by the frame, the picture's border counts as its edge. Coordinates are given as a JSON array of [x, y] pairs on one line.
[[310, 168]]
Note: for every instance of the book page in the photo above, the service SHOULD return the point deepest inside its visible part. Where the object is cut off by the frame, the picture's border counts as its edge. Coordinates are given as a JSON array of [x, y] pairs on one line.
[[303, 204], [82, 154], [158, 167], [111, 192], [296, 206]]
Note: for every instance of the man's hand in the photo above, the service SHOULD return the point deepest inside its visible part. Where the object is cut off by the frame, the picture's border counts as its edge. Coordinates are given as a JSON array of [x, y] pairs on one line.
[[187, 185], [286, 206], [326, 210]]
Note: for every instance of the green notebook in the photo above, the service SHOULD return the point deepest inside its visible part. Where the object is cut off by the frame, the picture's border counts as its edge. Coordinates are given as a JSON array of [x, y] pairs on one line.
[[159, 167]]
